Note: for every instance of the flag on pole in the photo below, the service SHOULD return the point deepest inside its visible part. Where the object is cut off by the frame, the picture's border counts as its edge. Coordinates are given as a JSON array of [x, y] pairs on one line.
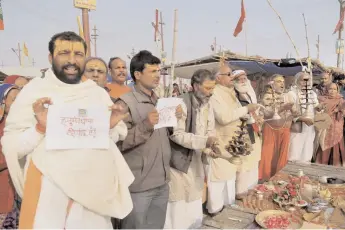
[[1, 18], [239, 26], [25, 50], [340, 22], [81, 32]]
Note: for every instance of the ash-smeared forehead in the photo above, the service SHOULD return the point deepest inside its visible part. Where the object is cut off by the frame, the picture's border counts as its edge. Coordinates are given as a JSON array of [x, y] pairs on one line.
[[93, 59]]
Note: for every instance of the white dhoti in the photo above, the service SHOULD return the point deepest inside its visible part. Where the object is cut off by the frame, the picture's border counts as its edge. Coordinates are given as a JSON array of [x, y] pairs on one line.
[[247, 179], [248, 172], [53, 211], [185, 197], [220, 192], [182, 215], [302, 144]]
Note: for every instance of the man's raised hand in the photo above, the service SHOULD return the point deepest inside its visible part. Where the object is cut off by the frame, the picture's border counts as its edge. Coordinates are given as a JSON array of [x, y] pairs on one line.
[[179, 112], [41, 110], [153, 118], [117, 115]]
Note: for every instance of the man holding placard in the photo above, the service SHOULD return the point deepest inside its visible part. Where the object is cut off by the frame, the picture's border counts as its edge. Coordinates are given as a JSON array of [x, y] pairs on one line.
[[146, 148], [66, 129]]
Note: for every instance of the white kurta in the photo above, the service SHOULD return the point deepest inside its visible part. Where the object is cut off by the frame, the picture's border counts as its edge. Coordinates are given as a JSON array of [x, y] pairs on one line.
[[302, 144], [185, 200], [96, 180]]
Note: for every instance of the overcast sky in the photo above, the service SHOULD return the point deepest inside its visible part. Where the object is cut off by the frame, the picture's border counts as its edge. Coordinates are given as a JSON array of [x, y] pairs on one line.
[[124, 25]]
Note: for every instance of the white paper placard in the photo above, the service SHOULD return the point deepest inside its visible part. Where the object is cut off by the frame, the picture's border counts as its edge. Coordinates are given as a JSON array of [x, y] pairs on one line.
[[166, 108], [76, 127]]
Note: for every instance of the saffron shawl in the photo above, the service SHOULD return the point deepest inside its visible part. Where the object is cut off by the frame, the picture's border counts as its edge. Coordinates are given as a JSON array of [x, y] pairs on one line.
[[96, 179]]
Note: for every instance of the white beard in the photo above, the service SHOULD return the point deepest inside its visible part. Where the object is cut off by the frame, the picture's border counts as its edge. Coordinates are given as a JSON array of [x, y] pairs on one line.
[[242, 87]]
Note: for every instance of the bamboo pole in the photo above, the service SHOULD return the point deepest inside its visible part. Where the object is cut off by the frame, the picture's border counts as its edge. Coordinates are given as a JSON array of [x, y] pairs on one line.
[[172, 77], [306, 34], [307, 38], [287, 33], [245, 34]]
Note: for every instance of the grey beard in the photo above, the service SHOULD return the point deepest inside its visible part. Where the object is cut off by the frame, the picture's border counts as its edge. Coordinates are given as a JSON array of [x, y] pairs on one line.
[[201, 98]]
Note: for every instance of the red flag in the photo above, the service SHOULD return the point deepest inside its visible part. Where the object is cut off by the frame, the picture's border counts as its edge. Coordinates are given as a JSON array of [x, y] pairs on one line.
[[1, 18], [239, 26], [340, 22]]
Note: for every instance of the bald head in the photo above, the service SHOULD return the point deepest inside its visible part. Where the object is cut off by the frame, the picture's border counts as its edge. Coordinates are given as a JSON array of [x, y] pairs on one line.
[[224, 77]]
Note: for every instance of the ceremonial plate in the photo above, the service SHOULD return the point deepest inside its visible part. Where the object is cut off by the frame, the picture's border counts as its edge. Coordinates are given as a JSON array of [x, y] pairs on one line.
[[276, 219], [301, 203]]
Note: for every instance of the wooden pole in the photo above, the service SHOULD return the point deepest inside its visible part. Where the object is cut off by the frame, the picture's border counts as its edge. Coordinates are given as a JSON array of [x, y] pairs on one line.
[[86, 29], [306, 34], [215, 45], [318, 47], [156, 25], [245, 34], [287, 33], [19, 54], [162, 35], [310, 70], [173, 53], [162, 43], [94, 37], [339, 36]]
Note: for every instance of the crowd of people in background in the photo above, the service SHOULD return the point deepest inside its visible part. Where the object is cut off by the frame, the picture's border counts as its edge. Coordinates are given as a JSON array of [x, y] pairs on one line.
[[154, 178]]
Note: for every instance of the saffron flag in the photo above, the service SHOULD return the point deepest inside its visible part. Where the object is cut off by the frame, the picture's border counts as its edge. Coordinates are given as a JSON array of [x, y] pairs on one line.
[[239, 26], [25, 50], [1, 18], [340, 22], [81, 32]]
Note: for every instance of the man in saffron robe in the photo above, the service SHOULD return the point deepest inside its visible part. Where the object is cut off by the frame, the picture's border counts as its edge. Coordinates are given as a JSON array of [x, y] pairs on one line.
[[118, 72], [73, 188], [276, 132]]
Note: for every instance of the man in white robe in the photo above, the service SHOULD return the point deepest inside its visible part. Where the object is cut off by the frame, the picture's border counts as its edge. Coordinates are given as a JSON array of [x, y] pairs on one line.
[[193, 134], [228, 111], [248, 174], [302, 138], [73, 188]]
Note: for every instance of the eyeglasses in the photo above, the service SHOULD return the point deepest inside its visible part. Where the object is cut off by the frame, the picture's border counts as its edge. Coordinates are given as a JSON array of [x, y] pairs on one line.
[[226, 74]]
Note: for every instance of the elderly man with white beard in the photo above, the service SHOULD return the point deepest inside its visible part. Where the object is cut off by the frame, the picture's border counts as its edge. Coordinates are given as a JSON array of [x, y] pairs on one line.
[[227, 111], [248, 173]]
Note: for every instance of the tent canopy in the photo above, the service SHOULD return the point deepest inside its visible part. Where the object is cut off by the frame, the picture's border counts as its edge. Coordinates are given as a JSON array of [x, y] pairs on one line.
[[251, 67]]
